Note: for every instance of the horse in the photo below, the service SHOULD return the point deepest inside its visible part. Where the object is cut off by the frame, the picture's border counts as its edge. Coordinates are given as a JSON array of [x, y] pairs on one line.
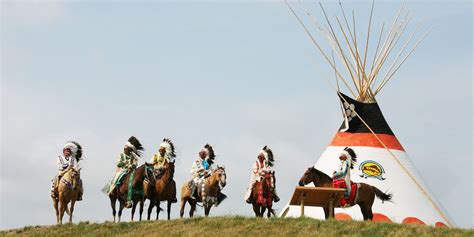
[[366, 192], [266, 185], [68, 190], [206, 193], [121, 191], [163, 189]]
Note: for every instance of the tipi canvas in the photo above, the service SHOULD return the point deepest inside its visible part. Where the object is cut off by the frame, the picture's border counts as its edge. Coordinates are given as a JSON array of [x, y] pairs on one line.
[[381, 160]]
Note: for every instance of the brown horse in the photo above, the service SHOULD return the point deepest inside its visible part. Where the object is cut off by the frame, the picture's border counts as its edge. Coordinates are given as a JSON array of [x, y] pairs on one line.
[[68, 190], [207, 193], [267, 184], [138, 197], [365, 198], [163, 189]]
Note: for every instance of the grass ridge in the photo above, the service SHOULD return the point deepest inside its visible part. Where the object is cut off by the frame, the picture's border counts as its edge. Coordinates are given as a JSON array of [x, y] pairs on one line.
[[237, 226]]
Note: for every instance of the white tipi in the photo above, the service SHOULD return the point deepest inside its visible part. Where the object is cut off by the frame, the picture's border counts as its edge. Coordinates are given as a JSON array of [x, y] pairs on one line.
[[382, 160]]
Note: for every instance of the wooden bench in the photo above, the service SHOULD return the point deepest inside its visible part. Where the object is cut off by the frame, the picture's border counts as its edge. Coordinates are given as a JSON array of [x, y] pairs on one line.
[[315, 196]]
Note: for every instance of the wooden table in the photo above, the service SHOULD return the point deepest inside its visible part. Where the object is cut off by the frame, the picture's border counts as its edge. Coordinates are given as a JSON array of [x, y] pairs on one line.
[[315, 196]]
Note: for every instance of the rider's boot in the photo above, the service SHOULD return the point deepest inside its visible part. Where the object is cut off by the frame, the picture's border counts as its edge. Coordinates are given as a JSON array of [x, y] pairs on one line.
[[275, 196], [249, 194]]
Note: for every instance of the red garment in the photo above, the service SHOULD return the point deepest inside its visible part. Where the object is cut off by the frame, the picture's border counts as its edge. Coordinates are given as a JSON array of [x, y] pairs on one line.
[[262, 200], [341, 183]]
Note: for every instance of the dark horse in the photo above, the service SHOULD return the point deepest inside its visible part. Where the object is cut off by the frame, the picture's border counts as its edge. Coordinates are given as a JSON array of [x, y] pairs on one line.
[[121, 191], [162, 189], [267, 185], [365, 197]]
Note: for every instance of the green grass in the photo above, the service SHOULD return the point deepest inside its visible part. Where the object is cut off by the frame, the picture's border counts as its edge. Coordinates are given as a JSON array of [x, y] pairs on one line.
[[238, 226]]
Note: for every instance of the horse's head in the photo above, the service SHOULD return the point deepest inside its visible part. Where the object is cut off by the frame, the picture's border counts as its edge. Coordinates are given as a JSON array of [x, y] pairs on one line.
[[308, 176], [71, 174], [221, 175], [169, 171], [148, 171], [269, 180], [71, 177]]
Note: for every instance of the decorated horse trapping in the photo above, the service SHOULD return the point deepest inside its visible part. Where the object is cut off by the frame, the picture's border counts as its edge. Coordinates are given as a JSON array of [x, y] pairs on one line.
[[350, 200], [265, 197]]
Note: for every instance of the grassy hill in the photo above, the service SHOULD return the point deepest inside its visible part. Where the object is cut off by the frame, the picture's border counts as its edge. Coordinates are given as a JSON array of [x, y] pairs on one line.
[[238, 226]]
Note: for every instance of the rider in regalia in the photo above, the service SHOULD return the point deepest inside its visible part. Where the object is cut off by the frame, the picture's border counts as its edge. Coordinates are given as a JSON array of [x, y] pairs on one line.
[[165, 155], [203, 167], [343, 175], [127, 162], [262, 166], [72, 154]]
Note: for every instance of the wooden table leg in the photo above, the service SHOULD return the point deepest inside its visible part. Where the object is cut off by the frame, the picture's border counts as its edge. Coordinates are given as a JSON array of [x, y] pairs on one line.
[[302, 204]]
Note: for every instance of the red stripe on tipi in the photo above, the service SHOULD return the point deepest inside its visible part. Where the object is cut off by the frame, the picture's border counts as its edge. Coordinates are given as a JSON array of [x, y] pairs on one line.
[[366, 139]]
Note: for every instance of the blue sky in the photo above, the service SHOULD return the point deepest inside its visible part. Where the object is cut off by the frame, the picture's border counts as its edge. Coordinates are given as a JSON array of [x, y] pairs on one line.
[[236, 74]]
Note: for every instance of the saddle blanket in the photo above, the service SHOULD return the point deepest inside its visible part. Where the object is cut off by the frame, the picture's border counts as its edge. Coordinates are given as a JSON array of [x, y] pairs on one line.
[[341, 183]]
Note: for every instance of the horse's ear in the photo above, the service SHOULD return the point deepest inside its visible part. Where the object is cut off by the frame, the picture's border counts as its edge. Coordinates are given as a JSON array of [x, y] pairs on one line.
[[223, 167]]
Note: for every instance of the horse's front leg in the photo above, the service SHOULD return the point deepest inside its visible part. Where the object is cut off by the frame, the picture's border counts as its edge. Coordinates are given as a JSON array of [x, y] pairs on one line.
[[158, 209], [62, 209], [134, 206], [181, 208], [142, 202], [150, 208], [326, 212], [121, 206], [71, 210], [112, 204], [207, 209], [256, 209], [192, 203], [169, 209], [55, 203]]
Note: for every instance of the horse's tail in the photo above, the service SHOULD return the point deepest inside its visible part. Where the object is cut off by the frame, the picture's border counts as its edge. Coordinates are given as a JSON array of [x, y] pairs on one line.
[[381, 195]]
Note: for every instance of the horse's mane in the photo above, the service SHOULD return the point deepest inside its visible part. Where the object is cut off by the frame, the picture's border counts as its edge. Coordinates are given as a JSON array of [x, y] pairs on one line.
[[321, 174]]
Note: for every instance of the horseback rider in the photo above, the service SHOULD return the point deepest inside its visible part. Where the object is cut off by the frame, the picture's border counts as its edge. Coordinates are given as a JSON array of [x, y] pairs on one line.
[[72, 154], [261, 167], [202, 168], [127, 162], [164, 156], [348, 158]]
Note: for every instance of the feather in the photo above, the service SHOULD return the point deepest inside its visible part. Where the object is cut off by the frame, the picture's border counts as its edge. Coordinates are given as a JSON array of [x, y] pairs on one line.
[[138, 146], [271, 158], [172, 152], [211, 154]]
